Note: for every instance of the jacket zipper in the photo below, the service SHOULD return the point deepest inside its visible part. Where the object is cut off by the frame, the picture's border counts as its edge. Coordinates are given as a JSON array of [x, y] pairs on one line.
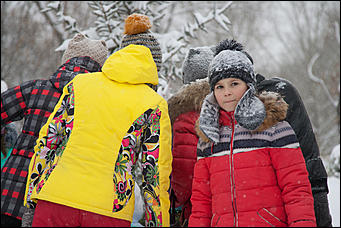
[[233, 190]]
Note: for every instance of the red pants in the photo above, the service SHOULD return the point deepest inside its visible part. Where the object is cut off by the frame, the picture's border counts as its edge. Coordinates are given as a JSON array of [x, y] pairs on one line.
[[48, 214]]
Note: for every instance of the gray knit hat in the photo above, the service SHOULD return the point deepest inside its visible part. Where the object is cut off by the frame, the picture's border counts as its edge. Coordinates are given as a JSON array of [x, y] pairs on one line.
[[83, 46], [196, 63], [231, 61], [136, 30]]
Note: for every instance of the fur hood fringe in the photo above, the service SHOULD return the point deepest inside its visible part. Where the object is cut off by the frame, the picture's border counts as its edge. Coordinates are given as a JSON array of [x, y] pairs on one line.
[[276, 111], [189, 98]]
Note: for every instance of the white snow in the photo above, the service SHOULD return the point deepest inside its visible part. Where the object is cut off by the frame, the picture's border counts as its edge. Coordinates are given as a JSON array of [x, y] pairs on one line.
[[4, 86], [281, 85], [334, 199], [334, 187]]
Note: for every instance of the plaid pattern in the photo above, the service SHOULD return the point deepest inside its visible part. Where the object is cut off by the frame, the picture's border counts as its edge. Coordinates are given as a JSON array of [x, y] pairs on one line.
[[32, 101]]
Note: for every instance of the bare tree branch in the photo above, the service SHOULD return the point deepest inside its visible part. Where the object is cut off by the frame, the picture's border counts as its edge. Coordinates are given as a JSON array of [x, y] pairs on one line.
[[318, 80], [58, 33]]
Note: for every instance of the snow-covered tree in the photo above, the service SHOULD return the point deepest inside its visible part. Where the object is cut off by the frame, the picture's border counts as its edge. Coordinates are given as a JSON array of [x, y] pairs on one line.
[[109, 25], [63, 25], [111, 14]]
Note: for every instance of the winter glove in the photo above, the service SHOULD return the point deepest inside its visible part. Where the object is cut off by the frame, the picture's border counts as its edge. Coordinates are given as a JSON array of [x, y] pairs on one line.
[[321, 206]]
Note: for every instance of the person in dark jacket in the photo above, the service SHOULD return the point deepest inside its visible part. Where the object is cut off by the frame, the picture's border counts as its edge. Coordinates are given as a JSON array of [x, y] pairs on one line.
[[250, 169], [34, 101], [299, 120], [184, 110]]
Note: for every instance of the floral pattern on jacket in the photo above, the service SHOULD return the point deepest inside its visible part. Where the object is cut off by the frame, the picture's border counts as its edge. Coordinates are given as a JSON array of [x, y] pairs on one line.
[[145, 130], [51, 146]]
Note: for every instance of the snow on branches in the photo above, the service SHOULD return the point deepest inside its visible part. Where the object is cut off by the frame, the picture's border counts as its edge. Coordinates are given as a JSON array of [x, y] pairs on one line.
[[109, 25]]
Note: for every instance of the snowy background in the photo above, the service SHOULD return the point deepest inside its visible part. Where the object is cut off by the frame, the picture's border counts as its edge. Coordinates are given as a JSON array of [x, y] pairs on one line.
[[334, 191], [334, 200], [298, 41]]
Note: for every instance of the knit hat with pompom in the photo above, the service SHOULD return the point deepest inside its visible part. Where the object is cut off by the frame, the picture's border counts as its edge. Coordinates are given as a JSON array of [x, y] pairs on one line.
[[136, 31], [231, 61], [83, 46]]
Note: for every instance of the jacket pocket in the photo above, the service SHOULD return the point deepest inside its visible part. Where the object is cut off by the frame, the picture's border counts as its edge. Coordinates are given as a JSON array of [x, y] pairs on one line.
[[270, 218]]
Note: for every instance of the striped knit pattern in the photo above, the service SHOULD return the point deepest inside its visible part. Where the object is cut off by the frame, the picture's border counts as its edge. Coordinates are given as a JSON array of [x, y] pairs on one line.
[[148, 40], [280, 135]]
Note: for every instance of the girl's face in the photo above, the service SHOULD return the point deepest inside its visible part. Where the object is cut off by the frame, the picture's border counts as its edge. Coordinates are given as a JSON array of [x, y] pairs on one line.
[[228, 92]]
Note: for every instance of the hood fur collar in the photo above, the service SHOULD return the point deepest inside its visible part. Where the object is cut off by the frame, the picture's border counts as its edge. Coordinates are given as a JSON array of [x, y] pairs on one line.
[[275, 108], [189, 98]]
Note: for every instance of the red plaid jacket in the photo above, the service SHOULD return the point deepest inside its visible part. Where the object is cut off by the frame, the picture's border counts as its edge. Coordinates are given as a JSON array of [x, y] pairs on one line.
[[32, 101]]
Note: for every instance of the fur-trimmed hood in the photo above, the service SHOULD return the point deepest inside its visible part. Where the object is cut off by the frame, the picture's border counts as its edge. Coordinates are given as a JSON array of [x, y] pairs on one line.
[[275, 107], [189, 98]]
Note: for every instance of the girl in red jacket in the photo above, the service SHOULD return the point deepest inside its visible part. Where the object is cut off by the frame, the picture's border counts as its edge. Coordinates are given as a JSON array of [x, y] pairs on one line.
[[250, 169]]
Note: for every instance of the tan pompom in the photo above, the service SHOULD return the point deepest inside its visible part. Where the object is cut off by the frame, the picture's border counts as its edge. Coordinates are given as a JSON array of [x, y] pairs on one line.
[[136, 23]]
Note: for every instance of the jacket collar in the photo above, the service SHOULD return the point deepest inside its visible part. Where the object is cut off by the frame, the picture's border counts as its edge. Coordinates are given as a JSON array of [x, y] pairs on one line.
[[226, 118]]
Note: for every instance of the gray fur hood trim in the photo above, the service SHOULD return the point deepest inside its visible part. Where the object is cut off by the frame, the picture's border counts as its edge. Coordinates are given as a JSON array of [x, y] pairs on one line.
[[275, 110], [189, 98]]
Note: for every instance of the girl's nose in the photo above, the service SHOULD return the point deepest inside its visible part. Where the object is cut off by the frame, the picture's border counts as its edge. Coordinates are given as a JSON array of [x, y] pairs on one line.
[[227, 92]]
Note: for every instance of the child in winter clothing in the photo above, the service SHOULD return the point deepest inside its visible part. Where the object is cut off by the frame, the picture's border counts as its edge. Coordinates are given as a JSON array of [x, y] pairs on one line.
[[250, 169], [190, 97], [184, 109], [86, 155], [34, 101]]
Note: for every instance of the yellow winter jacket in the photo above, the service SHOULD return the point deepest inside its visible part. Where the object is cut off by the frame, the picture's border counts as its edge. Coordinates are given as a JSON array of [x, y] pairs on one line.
[[104, 122]]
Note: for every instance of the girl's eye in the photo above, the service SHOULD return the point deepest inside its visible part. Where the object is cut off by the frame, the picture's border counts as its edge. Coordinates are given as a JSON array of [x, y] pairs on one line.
[[234, 83], [219, 87]]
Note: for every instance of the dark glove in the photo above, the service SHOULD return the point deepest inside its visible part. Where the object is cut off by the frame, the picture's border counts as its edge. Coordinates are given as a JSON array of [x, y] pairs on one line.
[[321, 206]]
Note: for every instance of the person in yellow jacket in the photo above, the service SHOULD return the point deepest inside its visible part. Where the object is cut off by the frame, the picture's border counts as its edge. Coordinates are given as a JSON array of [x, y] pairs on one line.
[[83, 169]]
